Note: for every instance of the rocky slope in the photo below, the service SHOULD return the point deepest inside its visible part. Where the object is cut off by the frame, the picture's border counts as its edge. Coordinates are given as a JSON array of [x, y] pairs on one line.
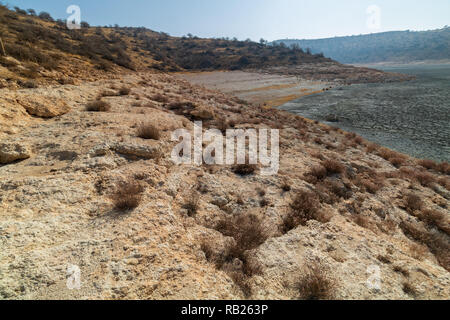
[[338, 208]]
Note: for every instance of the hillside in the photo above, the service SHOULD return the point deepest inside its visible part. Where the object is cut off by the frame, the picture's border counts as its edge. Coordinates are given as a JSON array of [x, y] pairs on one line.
[[396, 46], [47, 50], [39, 50]]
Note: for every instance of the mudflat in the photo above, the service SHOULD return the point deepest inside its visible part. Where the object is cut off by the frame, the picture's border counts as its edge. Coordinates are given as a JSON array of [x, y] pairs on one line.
[[258, 87]]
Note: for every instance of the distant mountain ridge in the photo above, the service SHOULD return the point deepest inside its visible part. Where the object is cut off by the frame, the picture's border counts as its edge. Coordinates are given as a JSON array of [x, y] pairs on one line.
[[393, 46]]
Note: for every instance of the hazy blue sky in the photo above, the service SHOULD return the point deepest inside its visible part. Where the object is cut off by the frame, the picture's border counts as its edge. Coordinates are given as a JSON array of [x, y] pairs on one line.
[[270, 19]]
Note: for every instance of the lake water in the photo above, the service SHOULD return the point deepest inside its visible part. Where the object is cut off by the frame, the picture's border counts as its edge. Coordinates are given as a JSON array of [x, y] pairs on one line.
[[411, 117]]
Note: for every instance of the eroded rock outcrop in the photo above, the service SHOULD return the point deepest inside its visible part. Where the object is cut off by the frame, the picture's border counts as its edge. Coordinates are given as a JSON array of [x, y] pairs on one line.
[[13, 151], [44, 107]]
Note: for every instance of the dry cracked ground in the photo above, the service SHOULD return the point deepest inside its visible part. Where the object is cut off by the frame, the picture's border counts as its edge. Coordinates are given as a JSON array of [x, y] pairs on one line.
[[339, 208]]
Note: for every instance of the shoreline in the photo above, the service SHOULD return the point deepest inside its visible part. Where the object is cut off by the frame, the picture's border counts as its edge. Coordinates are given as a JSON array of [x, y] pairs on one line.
[[269, 90]]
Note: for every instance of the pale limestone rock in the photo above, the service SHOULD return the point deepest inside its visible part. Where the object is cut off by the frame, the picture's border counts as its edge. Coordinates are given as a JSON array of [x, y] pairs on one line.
[[140, 151], [10, 152], [44, 107]]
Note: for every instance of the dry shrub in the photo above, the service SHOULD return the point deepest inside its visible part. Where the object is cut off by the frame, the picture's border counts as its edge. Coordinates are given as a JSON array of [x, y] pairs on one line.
[[148, 131], [316, 174], [160, 98], [124, 91], [371, 147], [359, 140], [98, 106], [333, 167], [418, 251], [248, 233], [401, 270], [397, 161], [413, 203], [428, 164], [425, 179], [387, 154], [384, 259], [244, 169], [445, 182], [409, 289], [369, 184], [387, 226], [362, 221], [107, 93], [331, 191], [444, 168], [437, 242], [316, 283], [435, 219], [192, 203], [304, 207], [128, 195], [286, 185]]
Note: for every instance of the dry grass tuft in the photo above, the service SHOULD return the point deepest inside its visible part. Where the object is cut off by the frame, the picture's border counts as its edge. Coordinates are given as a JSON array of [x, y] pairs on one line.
[[244, 169], [316, 174], [435, 219], [401, 270], [304, 207], [160, 98], [192, 203], [128, 195], [124, 91], [333, 167], [98, 106], [413, 203], [437, 242], [148, 131], [235, 259], [316, 283], [409, 289], [428, 164]]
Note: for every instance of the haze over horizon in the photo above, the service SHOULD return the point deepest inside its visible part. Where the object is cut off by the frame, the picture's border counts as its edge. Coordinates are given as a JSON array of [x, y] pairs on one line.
[[255, 19]]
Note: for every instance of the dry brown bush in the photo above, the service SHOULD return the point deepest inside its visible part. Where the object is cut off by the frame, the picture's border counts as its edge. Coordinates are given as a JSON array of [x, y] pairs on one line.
[[444, 168], [304, 207], [128, 195], [425, 179], [437, 242], [409, 289], [413, 203], [160, 98], [98, 106], [286, 185], [445, 182], [316, 283], [418, 251], [191, 203], [397, 161], [387, 154], [148, 131], [368, 184], [371, 147], [316, 174], [124, 91], [333, 167], [437, 219], [248, 233], [244, 169], [362, 221], [401, 270], [428, 164]]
